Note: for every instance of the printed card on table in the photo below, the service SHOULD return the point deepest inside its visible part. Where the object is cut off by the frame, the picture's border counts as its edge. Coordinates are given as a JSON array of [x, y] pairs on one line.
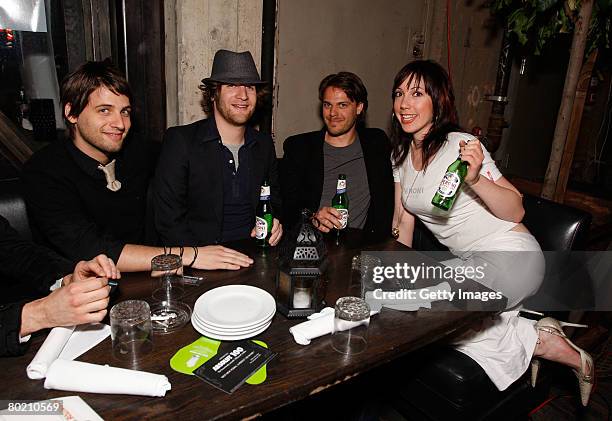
[[233, 365]]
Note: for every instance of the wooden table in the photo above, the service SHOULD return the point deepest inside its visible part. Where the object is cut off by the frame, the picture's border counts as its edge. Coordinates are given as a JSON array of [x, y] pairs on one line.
[[297, 372]]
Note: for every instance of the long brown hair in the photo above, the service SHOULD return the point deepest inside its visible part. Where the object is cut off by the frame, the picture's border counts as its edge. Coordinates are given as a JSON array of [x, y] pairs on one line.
[[445, 120]]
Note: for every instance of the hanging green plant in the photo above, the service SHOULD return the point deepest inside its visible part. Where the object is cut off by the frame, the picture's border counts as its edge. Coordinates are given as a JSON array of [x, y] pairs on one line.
[[536, 22]]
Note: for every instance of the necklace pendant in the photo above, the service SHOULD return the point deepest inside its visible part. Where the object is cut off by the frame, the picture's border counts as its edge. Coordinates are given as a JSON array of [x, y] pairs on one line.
[[395, 232]]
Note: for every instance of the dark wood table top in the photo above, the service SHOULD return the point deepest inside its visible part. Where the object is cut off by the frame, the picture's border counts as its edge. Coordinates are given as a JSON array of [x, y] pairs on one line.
[[297, 372]]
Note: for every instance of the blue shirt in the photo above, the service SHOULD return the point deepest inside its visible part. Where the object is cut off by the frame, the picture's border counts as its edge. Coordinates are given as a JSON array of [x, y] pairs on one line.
[[238, 214]]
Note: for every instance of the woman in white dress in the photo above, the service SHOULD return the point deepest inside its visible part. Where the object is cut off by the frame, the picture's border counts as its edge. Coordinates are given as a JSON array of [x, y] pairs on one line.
[[483, 227]]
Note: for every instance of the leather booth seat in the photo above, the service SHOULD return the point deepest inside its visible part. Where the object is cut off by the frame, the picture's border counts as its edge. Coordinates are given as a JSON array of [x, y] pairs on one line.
[[450, 385], [13, 207]]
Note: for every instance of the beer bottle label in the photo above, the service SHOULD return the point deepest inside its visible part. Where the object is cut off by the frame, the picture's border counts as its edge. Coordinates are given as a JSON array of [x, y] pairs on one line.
[[341, 186], [261, 228], [449, 184], [344, 214], [265, 193]]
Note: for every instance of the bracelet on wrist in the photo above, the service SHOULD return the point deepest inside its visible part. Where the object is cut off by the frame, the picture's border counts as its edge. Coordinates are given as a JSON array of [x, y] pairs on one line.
[[195, 256]]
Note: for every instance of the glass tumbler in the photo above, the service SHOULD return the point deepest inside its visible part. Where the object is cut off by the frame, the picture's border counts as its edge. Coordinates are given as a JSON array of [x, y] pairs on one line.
[[351, 321], [362, 274], [168, 311], [131, 329]]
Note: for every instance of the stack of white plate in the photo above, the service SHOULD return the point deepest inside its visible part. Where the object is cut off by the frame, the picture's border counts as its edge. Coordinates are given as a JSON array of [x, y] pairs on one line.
[[233, 312]]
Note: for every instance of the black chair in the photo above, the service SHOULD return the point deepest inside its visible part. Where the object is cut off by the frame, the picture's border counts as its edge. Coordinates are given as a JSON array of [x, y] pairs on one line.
[[449, 384], [13, 207], [555, 226]]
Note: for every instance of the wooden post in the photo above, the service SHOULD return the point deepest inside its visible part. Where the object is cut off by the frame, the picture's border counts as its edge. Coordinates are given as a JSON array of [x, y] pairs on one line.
[[567, 101], [574, 127]]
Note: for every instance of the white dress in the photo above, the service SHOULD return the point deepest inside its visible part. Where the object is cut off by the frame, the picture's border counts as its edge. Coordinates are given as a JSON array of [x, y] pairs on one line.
[[504, 344]]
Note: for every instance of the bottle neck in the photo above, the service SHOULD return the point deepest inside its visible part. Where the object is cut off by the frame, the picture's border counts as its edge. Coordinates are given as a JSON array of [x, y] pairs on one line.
[[265, 193], [340, 186]]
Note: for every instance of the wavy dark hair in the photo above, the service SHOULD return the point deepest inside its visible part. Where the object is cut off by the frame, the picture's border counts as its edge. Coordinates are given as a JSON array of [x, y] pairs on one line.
[[445, 120], [352, 86]]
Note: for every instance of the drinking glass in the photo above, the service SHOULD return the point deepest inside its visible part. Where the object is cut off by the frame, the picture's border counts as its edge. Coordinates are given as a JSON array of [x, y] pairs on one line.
[[131, 329], [351, 321], [168, 311], [167, 276], [362, 273]]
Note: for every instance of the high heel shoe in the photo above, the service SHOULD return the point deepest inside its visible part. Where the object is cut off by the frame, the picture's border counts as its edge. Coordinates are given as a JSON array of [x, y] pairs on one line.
[[586, 373], [549, 324]]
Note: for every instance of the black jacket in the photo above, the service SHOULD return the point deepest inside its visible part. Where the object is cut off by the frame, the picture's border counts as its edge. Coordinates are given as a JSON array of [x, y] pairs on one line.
[[26, 272], [70, 209], [188, 186], [302, 177]]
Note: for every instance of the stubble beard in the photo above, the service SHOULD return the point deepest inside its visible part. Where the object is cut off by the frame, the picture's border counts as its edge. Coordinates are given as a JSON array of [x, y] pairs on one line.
[[235, 119], [98, 142], [342, 130]]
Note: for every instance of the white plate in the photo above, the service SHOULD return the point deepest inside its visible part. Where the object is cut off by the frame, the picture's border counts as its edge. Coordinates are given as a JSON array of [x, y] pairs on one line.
[[233, 331], [220, 337], [218, 331], [230, 331], [234, 306]]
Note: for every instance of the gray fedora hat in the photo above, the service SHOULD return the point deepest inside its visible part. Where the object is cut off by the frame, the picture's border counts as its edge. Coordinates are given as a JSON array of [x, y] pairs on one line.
[[236, 68]]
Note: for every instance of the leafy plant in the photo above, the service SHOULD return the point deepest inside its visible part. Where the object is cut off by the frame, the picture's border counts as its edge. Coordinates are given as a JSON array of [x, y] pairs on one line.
[[536, 22]]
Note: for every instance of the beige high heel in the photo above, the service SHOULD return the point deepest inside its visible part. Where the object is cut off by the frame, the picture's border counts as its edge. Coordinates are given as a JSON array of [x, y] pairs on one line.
[[587, 369]]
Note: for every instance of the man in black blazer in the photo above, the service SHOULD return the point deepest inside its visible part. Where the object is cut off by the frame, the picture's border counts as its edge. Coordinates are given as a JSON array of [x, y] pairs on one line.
[[209, 176], [313, 160]]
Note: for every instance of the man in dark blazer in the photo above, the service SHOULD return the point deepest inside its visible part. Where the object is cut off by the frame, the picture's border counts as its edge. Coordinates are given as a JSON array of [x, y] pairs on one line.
[[312, 162], [209, 176]]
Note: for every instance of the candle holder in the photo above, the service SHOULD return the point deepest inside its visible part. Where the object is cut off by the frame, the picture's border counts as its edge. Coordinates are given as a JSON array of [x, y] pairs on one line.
[[300, 281]]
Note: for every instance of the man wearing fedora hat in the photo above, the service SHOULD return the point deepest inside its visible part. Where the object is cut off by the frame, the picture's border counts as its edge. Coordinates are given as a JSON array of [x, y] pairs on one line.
[[208, 178]]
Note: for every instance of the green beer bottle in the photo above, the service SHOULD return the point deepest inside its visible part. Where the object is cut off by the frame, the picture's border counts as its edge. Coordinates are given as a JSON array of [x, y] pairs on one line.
[[341, 203], [449, 186], [264, 217]]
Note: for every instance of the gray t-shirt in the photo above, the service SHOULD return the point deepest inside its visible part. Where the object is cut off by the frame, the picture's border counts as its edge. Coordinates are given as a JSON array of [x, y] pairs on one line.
[[347, 160], [234, 150]]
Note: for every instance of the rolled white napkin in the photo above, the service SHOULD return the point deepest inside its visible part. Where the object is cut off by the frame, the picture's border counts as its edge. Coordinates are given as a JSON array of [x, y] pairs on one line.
[[49, 351], [319, 324], [66, 343], [411, 303], [78, 376]]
